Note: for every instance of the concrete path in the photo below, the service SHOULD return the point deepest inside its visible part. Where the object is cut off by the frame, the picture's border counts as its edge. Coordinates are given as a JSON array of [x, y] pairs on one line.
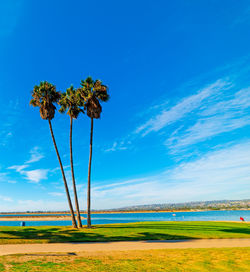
[[111, 246]]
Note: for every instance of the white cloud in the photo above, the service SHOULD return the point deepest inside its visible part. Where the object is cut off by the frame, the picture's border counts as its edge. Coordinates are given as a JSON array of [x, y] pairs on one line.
[[118, 145], [205, 129], [4, 178], [243, 18], [181, 109], [35, 176], [35, 155], [229, 114], [236, 103], [57, 194], [9, 115], [133, 181], [12, 181], [6, 198], [18, 168]]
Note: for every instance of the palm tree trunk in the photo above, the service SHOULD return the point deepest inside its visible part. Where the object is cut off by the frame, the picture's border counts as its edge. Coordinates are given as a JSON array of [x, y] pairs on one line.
[[79, 222], [64, 178], [89, 176]]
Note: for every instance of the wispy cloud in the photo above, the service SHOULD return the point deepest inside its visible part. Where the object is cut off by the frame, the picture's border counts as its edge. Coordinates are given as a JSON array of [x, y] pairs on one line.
[[12, 181], [35, 155], [243, 18], [118, 145], [6, 198], [231, 112], [56, 194], [4, 177], [204, 129], [181, 109], [33, 176], [10, 116], [117, 184], [18, 168]]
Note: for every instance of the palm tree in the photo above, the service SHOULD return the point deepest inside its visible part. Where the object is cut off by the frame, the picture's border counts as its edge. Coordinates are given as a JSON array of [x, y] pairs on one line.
[[92, 92], [44, 96], [71, 101]]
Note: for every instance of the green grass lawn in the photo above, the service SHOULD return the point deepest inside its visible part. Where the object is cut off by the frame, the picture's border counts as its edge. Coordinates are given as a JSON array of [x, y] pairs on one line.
[[125, 232], [224, 259]]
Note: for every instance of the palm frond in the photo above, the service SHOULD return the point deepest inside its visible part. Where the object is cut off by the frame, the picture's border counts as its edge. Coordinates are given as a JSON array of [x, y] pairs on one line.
[[72, 102], [44, 96], [93, 92]]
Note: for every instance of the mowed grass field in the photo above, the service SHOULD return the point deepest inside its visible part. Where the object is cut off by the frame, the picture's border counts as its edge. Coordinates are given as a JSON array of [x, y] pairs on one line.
[[125, 232], [224, 259]]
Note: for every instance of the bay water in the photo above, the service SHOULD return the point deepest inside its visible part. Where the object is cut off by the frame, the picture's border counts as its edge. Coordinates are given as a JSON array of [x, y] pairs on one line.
[[110, 218]]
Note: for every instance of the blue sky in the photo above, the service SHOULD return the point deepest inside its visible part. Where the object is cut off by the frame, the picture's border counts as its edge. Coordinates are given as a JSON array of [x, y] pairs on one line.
[[177, 125]]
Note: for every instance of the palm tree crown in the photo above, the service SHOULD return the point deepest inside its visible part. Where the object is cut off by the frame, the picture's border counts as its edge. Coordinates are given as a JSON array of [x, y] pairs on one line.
[[93, 92], [44, 96], [72, 102]]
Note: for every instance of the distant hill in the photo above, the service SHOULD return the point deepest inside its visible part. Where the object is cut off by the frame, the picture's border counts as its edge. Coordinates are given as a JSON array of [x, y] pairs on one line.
[[198, 205], [186, 206]]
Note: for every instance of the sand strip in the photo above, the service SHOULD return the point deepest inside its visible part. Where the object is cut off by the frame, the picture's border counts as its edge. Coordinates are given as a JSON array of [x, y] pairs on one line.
[[37, 218], [120, 246]]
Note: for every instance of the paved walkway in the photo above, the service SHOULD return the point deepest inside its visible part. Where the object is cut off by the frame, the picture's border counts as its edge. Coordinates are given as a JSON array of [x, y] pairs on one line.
[[111, 246]]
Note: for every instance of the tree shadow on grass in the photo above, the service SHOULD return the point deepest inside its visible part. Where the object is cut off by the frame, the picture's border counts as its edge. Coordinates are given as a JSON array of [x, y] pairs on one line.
[[239, 230], [55, 235], [117, 232], [180, 226], [50, 235]]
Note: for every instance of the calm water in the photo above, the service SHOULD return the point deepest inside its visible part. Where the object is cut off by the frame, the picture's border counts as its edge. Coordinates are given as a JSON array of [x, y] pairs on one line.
[[140, 217]]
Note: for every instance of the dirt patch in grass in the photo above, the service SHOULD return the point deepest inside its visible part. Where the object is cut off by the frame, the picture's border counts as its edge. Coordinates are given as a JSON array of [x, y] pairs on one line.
[[228, 259]]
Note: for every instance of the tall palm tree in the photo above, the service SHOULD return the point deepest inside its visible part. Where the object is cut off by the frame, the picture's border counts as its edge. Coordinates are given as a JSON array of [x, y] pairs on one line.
[[72, 102], [44, 96], [93, 92]]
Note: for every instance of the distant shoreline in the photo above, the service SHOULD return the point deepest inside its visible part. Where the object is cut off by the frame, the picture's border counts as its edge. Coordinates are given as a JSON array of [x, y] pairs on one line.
[[63, 214]]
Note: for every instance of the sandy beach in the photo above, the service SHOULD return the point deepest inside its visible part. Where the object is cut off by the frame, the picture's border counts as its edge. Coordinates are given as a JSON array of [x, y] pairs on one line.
[[37, 218]]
